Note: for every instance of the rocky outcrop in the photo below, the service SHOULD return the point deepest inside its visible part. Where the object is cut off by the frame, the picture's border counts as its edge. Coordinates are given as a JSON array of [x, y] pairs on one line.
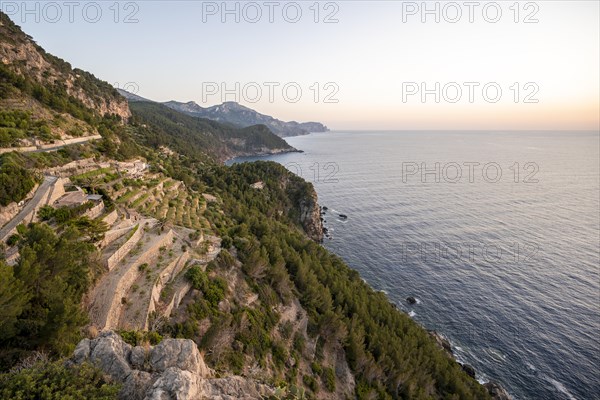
[[496, 391], [442, 342], [310, 217], [174, 369], [494, 388]]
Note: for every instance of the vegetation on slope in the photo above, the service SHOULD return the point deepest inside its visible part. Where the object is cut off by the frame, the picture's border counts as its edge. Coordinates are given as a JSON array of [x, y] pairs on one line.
[[56, 381], [191, 136], [15, 180], [390, 354], [41, 295]]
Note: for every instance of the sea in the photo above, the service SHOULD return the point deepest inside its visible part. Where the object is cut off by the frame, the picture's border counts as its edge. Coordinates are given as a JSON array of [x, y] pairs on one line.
[[496, 236]]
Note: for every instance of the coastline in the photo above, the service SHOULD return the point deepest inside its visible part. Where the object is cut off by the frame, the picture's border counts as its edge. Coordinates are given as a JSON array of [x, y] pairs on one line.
[[496, 390], [230, 160]]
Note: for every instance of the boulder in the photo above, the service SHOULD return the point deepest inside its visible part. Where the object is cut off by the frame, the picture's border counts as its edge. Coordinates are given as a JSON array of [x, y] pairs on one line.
[[180, 353], [175, 383], [108, 351], [136, 385], [139, 357], [497, 391], [174, 369], [411, 300], [469, 370]]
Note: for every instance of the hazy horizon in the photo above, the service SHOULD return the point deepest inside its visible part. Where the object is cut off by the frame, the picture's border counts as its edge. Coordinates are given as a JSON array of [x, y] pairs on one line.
[[358, 67]]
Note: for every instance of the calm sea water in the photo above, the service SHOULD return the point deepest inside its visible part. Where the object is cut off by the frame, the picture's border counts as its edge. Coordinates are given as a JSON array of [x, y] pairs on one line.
[[496, 235]]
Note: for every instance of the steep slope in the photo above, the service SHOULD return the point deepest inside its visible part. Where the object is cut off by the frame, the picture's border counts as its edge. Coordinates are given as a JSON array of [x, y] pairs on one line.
[[132, 97], [42, 98], [236, 114], [191, 135]]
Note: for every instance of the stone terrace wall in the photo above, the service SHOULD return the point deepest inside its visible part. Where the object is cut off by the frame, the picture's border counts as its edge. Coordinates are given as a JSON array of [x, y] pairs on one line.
[[95, 211], [118, 255], [111, 218], [125, 282]]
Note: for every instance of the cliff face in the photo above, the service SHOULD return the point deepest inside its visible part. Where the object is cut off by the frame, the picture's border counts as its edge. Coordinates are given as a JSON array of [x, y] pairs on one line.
[[174, 369], [310, 216]]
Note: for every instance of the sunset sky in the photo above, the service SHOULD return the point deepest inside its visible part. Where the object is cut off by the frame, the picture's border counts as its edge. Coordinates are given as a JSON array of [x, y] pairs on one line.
[[372, 56]]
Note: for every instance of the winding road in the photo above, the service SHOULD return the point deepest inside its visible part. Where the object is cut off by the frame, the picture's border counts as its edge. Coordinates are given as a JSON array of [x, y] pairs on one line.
[[39, 195]]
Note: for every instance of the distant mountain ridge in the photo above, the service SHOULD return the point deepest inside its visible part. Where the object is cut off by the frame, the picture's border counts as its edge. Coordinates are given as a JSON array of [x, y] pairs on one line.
[[236, 114]]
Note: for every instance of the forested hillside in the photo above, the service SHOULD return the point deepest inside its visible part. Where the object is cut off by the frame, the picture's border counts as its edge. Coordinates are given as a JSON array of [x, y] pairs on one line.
[[192, 135]]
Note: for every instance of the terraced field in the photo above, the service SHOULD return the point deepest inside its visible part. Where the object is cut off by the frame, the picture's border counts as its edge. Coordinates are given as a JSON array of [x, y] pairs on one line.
[[159, 233]]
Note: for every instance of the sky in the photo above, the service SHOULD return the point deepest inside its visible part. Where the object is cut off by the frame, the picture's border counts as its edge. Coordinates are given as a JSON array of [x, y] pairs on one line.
[[348, 64]]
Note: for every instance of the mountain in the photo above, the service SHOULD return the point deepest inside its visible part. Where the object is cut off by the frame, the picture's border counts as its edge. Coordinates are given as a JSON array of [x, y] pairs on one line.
[[188, 135], [45, 103], [137, 265], [131, 97], [236, 114]]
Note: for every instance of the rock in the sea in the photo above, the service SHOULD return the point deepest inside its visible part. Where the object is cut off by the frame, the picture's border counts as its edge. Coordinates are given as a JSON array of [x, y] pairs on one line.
[[496, 391], [174, 369], [411, 300], [469, 370]]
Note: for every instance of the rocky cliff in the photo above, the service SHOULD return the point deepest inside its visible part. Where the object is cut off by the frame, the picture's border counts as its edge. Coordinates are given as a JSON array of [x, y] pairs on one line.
[[174, 369], [24, 57], [310, 217]]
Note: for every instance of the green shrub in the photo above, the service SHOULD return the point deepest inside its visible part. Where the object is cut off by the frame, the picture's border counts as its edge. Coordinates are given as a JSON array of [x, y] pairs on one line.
[[55, 381], [311, 383], [328, 377]]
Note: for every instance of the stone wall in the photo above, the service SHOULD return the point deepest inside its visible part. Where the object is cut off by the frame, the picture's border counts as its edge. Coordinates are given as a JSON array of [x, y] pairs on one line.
[[167, 275], [18, 149], [178, 296], [123, 285], [111, 218], [10, 211], [95, 211], [57, 191], [77, 167], [113, 235], [66, 142], [118, 255]]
